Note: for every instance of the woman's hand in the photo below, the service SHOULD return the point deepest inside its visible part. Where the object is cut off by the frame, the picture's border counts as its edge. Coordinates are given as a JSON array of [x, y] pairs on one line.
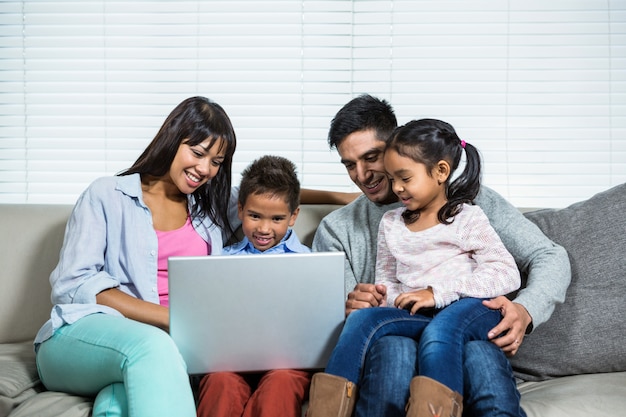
[[136, 309]]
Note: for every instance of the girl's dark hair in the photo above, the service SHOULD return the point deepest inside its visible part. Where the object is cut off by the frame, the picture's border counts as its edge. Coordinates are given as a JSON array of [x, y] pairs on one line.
[[193, 121], [428, 141]]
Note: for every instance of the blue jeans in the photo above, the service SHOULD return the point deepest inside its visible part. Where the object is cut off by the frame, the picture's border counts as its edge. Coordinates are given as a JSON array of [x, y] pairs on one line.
[[442, 338], [490, 389], [133, 369]]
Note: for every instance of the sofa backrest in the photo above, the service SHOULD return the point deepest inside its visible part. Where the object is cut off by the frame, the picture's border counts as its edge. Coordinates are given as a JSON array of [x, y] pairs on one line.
[[30, 240], [31, 236], [586, 333], [309, 218]]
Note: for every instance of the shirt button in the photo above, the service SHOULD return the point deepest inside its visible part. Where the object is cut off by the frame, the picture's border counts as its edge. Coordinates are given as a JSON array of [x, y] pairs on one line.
[[152, 252], [154, 289]]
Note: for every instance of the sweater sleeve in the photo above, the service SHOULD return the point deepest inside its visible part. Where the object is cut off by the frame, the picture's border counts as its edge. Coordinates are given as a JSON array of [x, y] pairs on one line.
[[327, 239], [352, 229], [545, 263]]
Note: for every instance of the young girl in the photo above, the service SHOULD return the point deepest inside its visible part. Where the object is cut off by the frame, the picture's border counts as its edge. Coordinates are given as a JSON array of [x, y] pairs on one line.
[[438, 257], [106, 334]]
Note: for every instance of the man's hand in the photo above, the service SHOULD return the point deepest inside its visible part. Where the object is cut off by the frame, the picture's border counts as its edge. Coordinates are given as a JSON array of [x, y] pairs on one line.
[[515, 321], [365, 296], [415, 300]]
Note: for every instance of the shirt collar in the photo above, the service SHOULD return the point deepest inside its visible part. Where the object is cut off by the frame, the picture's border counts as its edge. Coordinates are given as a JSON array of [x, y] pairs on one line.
[[289, 243]]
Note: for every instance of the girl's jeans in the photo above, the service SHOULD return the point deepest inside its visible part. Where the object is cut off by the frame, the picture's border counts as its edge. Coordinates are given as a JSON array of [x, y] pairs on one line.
[[442, 338], [133, 369], [490, 387]]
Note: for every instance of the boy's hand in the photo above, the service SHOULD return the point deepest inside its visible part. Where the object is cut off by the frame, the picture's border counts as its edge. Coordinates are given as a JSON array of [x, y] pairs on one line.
[[415, 300], [366, 296]]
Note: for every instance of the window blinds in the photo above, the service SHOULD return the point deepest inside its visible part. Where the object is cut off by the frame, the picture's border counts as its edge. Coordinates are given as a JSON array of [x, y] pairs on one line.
[[538, 86]]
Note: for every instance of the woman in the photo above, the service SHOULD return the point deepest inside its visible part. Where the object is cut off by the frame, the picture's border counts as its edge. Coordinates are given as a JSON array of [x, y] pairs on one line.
[[107, 336]]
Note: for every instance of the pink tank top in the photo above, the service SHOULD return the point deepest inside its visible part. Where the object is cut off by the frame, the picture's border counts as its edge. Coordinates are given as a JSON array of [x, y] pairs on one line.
[[180, 242]]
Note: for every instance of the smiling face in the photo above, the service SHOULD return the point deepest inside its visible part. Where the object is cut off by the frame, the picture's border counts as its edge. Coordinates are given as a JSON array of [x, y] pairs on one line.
[[417, 188], [193, 166], [265, 219], [361, 153]]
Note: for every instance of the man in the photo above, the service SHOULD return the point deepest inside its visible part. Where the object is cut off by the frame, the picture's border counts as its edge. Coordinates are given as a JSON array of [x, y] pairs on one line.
[[358, 132]]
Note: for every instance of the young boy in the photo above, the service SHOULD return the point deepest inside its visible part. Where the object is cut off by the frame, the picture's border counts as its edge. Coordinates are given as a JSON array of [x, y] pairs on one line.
[[269, 198]]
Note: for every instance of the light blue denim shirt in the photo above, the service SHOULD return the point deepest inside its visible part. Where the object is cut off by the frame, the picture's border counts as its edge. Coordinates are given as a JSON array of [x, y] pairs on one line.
[[288, 244], [110, 242]]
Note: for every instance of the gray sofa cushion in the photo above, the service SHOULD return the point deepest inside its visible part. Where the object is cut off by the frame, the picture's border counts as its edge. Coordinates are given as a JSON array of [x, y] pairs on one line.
[[23, 395], [587, 333], [595, 395], [18, 379], [54, 404]]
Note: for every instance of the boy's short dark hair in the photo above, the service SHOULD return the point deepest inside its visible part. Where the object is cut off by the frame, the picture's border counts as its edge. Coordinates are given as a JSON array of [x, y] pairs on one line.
[[273, 175], [364, 112]]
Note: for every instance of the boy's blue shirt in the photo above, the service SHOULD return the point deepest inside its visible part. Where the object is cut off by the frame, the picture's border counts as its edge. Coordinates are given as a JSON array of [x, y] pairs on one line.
[[289, 244]]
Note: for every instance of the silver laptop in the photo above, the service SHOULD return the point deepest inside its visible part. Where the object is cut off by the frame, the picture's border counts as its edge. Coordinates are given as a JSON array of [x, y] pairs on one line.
[[256, 312]]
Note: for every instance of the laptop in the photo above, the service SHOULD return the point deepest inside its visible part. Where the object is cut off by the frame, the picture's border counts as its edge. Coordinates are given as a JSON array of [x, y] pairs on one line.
[[250, 313]]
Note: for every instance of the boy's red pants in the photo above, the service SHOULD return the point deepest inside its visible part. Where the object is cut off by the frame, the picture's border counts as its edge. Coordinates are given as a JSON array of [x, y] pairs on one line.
[[278, 393]]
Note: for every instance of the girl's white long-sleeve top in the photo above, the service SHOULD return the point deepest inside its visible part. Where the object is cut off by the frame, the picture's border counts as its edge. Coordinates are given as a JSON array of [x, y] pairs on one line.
[[463, 259]]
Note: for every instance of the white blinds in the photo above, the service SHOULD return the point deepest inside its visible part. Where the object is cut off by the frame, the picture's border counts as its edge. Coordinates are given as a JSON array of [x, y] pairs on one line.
[[539, 86]]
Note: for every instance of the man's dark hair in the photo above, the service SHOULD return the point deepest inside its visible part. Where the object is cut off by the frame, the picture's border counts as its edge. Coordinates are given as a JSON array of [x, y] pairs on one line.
[[364, 112]]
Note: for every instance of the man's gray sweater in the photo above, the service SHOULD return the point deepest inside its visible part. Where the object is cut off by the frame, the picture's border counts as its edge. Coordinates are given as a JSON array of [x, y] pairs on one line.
[[544, 265]]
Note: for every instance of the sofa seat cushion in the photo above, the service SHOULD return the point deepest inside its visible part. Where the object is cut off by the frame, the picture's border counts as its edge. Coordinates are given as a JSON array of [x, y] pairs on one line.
[[597, 395], [54, 404], [23, 395], [585, 334], [19, 379]]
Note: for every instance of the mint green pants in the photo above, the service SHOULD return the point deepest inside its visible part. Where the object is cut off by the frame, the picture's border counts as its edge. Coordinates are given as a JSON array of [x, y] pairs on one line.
[[131, 368]]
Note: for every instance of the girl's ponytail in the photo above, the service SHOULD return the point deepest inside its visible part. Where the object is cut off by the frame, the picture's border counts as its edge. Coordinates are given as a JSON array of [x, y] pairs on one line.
[[465, 187]]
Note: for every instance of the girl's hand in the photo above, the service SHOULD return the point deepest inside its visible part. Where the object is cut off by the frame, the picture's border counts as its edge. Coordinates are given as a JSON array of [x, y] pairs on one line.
[[415, 300]]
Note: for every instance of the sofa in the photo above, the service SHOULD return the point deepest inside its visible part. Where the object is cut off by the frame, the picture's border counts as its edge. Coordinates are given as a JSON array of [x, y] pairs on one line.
[[573, 365]]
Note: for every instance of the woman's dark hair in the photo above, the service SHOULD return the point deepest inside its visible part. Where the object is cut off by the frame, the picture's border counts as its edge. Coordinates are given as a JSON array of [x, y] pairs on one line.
[[362, 113], [428, 141], [193, 121]]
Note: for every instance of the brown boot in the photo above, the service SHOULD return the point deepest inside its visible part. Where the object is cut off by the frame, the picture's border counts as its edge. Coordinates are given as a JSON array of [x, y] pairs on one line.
[[430, 398], [331, 396]]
